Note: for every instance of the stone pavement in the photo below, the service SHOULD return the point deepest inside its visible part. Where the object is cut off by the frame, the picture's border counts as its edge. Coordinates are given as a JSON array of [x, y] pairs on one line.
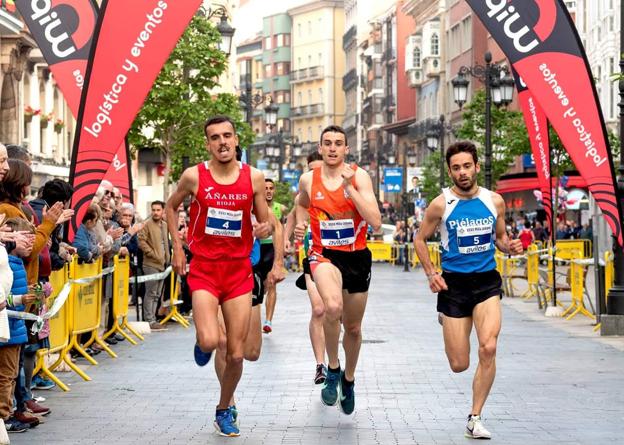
[[555, 384]]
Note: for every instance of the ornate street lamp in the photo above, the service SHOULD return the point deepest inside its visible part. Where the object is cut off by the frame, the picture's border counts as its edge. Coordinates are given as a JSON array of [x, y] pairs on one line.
[[225, 30], [498, 89]]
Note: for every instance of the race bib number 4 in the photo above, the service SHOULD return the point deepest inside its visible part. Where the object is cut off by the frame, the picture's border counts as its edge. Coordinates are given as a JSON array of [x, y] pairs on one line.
[[340, 232], [221, 222], [474, 239]]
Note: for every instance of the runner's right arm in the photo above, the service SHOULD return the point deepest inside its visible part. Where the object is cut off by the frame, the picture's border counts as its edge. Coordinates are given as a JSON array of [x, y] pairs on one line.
[[301, 208], [187, 186], [431, 220]]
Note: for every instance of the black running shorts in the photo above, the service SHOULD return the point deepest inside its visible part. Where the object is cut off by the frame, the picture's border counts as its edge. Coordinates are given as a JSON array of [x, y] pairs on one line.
[[355, 267], [257, 295], [466, 290]]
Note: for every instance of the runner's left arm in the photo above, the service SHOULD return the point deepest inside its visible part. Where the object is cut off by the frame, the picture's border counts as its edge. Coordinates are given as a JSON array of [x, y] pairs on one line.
[[363, 197], [504, 244], [277, 272], [260, 208]]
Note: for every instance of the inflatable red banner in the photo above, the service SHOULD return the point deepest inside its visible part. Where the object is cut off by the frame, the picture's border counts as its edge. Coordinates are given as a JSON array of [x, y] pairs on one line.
[[542, 44], [63, 30], [537, 128], [133, 41]]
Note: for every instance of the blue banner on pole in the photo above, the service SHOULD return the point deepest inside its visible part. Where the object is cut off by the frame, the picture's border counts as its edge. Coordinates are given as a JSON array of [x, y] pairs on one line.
[[292, 177], [393, 179]]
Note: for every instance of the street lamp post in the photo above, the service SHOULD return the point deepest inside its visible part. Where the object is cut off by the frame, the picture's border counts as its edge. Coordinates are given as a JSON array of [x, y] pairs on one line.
[[408, 157], [225, 30], [498, 90], [615, 302], [435, 140]]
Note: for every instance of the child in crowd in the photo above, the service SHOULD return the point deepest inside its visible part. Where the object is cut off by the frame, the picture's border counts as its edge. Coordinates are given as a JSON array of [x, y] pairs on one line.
[[85, 240], [19, 297]]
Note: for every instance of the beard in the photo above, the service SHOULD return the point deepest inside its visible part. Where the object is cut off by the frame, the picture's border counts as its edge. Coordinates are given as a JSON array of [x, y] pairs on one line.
[[465, 186]]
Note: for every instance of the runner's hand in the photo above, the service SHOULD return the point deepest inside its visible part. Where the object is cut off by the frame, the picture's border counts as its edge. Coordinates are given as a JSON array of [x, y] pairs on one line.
[[437, 283], [178, 262], [262, 230], [28, 299], [347, 174], [300, 231], [515, 247], [276, 275]]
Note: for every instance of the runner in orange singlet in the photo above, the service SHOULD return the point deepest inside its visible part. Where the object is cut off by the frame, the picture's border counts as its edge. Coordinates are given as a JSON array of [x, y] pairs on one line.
[[220, 238], [340, 201]]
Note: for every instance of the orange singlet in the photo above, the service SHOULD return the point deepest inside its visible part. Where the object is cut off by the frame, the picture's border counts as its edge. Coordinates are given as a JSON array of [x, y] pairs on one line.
[[335, 223]]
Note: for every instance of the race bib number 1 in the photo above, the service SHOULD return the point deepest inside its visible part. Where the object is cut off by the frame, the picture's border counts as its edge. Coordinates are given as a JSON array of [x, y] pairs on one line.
[[474, 239], [340, 232], [221, 222]]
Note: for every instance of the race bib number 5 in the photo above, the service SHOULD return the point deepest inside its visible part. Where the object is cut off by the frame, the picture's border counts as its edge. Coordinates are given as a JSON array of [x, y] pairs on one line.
[[474, 239], [340, 232], [221, 222]]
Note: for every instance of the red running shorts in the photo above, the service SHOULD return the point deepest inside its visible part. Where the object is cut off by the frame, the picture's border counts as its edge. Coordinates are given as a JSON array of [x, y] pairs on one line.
[[224, 279]]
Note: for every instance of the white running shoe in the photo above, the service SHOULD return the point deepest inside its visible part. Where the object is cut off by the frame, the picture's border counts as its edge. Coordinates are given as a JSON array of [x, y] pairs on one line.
[[475, 429]]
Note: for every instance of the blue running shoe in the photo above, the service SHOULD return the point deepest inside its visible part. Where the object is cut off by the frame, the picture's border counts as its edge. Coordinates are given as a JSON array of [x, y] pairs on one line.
[[347, 396], [225, 424], [201, 358], [234, 412], [329, 393]]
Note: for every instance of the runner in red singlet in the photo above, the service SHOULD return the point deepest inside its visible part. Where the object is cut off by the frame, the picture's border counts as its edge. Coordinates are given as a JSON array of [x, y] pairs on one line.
[[340, 201], [220, 238]]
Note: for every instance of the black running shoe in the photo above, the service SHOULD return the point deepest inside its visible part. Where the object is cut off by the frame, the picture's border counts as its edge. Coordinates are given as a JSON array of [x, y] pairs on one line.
[[321, 374]]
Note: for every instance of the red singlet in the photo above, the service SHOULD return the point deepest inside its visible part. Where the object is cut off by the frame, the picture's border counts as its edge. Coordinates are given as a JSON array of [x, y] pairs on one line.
[[220, 226], [334, 220]]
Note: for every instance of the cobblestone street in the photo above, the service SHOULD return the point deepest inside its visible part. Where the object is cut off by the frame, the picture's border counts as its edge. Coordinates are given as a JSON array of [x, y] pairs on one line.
[[557, 383]]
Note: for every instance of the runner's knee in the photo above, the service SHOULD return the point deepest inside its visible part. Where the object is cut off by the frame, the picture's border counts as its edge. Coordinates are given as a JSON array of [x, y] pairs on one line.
[[333, 310], [206, 342], [353, 329], [252, 355], [487, 350], [235, 358], [459, 364], [318, 310]]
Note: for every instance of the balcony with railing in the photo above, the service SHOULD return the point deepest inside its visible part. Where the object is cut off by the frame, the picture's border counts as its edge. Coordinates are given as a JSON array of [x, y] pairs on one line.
[[349, 80], [306, 74], [305, 111], [349, 37]]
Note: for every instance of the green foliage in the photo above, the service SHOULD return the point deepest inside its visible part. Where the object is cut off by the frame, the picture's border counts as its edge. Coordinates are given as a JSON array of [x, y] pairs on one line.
[[509, 135], [283, 195], [180, 100], [430, 181]]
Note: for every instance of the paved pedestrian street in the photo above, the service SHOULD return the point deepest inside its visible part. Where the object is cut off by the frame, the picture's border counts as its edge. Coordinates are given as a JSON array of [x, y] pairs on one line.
[[557, 383]]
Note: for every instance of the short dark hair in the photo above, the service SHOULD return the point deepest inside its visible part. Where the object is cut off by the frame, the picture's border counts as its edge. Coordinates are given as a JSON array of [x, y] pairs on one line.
[[314, 156], [18, 177], [269, 180], [333, 129], [18, 152], [218, 119], [157, 203], [56, 190], [461, 147]]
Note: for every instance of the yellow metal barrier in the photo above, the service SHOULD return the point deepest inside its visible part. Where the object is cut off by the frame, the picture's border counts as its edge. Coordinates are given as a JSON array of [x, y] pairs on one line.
[[121, 290], [173, 303], [85, 313], [609, 273], [532, 275], [569, 249], [434, 255], [59, 329], [577, 286], [381, 251]]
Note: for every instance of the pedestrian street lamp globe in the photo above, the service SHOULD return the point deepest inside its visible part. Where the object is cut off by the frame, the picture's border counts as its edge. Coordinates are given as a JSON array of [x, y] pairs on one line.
[[270, 114]]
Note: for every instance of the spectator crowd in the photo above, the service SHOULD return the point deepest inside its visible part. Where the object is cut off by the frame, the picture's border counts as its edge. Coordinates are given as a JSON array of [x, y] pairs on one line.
[[32, 246]]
